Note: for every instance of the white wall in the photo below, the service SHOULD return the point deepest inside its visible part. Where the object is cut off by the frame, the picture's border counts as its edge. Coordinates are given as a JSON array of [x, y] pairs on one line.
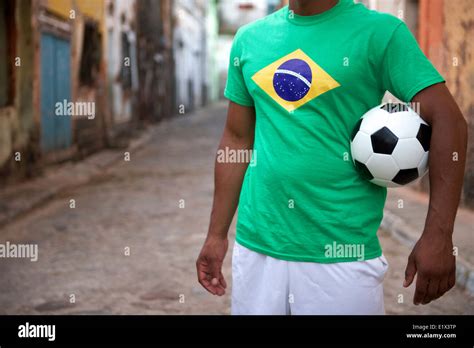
[[189, 48], [223, 55], [121, 105], [234, 17], [212, 71]]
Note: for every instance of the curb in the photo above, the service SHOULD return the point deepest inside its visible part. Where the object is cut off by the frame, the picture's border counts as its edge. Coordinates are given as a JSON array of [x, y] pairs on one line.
[[22, 198], [403, 232]]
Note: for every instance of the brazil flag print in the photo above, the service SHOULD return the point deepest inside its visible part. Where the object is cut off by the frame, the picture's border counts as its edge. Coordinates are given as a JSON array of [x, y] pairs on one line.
[[294, 80]]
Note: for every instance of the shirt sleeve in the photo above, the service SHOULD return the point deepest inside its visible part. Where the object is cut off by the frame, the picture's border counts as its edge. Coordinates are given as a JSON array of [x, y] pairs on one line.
[[405, 69], [236, 89]]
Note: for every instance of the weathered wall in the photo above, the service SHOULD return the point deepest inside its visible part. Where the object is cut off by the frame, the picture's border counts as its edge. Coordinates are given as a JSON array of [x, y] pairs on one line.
[[446, 32], [189, 52], [458, 41], [24, 102], [121, 19], [155, 59], [8, 127], [17, 133], [212, 72], [88, 134], [93, 9]]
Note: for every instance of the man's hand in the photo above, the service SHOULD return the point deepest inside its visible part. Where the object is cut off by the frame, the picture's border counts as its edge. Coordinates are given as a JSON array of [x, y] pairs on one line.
[[432, 258], [209, 265]]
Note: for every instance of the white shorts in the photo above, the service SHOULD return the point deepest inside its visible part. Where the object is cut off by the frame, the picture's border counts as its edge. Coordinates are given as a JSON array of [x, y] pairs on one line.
[[264, 285]]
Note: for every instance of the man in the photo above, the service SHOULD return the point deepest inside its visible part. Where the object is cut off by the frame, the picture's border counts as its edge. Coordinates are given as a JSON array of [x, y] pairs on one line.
[[299, 80]]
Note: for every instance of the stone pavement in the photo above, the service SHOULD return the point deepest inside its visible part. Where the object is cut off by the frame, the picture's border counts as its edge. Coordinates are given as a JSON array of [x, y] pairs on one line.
[[21, 198], [404, 218], [130, 243]]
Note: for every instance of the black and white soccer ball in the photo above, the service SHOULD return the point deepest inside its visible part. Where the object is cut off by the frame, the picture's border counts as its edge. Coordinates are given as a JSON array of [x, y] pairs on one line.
[[390, 145]]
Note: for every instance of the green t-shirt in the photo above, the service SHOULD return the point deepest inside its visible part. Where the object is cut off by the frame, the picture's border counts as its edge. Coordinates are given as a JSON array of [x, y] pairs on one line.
[[310, 79]]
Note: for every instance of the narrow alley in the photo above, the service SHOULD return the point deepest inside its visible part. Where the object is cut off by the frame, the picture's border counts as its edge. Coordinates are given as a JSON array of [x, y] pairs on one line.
[[128, 242]]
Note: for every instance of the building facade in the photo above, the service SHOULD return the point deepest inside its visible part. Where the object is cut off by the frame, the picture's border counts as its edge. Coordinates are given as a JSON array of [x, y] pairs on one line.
[[190, 53], [73, 80], [156, 77], [80, 67], [18, 121]]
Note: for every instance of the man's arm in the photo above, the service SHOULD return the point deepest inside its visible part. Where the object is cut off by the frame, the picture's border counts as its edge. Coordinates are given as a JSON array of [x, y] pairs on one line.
[[432, 257], [228, 177]]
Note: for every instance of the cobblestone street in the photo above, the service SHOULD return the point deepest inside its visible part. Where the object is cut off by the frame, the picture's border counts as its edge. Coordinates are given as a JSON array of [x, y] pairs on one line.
[[130, 244]]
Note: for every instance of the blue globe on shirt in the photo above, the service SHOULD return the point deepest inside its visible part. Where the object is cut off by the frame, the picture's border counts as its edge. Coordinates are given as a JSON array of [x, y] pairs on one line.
[[292, 80]]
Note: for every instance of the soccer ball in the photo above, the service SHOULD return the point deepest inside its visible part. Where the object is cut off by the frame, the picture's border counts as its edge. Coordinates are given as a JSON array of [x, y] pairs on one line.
[[390, 145]]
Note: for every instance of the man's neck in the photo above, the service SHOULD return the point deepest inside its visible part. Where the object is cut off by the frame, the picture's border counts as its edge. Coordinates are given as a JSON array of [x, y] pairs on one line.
[[311, 7]]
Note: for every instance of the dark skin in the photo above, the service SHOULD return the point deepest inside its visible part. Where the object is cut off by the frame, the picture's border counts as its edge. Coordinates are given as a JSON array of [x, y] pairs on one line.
[[431, 260], [311, 7], [228, 178], [432, 257]]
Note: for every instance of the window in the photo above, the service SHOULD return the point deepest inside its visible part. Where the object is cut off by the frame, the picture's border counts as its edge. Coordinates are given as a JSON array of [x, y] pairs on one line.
[[91, 55]]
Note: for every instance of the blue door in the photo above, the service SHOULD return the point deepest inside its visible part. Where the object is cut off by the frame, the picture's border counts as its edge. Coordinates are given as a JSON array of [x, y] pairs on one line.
[[56, 132]]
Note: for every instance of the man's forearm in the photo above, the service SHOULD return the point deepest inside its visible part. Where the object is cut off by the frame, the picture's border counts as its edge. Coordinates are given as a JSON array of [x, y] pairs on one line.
[[446, 163], [228, 179], [432, 257]]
